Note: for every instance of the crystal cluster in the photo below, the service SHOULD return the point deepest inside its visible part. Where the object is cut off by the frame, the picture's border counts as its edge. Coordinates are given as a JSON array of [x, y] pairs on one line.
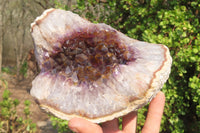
[[87, 56], [91, 70]]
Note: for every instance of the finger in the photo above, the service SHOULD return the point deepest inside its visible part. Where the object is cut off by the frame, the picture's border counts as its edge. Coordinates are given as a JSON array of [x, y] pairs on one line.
[[154, 115], [111, 126], [129, 122], [79, 125]]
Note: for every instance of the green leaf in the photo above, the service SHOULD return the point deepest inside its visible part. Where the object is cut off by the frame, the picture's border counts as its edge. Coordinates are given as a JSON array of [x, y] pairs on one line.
[[16, 102], [6, 94], [27, 103], [195, 50]]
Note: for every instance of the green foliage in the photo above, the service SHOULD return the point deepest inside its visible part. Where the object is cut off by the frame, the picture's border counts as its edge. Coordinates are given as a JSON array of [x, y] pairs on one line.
[[173, 23], [10, 122], [6, 70], [60, 125], [12, 70], [24, 68]]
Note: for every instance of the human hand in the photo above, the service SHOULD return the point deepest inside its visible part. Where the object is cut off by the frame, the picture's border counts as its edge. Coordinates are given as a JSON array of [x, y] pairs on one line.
[[151, 125]]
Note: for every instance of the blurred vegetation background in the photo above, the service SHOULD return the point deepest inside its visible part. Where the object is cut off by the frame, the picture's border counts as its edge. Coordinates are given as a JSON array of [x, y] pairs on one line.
[[174, 23]]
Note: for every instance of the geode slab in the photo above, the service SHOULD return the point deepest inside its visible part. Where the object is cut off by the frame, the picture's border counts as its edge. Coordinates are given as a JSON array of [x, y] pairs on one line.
[[91, 70]]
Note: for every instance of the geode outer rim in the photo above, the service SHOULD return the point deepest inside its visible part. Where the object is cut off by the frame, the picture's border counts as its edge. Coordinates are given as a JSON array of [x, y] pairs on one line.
[[154, 87]]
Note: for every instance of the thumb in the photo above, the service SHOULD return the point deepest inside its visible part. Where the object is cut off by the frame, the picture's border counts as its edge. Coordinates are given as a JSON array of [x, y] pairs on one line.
[[80, 125]]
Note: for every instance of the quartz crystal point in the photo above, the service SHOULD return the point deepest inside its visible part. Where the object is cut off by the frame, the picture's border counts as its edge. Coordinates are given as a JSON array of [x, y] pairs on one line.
[[91, 70]]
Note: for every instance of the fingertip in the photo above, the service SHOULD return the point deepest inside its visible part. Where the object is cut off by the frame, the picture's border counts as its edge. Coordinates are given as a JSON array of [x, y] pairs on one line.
[[80, 125], [72, 121], [161, 96], [73, 124], [158, 99]]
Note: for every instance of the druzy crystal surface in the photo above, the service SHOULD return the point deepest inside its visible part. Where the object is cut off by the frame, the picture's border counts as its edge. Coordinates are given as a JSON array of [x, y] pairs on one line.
[[91, 70]]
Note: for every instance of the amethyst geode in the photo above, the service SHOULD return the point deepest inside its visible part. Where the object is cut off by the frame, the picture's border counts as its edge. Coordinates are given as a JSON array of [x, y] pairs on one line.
[[92, 70]]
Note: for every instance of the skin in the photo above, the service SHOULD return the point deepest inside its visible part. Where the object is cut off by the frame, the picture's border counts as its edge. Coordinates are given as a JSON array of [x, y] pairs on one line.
[[129, 122]]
